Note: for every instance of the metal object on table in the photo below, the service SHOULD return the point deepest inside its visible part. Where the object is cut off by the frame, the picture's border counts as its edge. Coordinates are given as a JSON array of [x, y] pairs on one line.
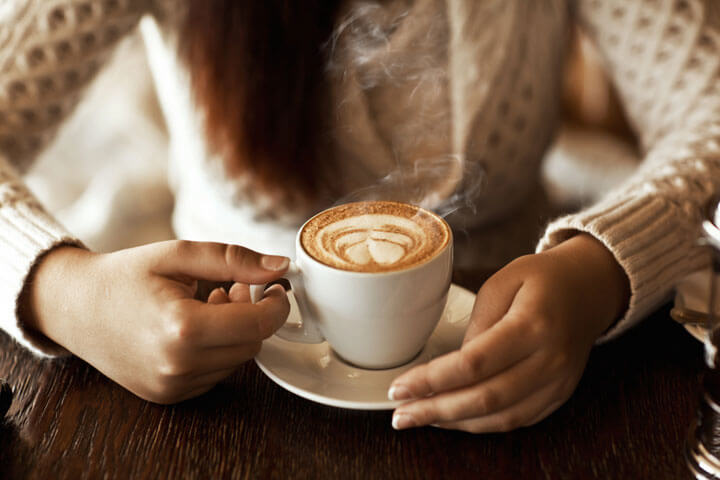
[[688, 316], [702, 450]]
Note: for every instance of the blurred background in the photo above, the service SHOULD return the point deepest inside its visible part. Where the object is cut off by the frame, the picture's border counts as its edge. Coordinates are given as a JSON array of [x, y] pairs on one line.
[[105, 175]]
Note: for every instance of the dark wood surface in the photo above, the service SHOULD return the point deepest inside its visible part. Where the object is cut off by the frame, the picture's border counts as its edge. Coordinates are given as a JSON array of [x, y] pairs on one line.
[[627, 420]]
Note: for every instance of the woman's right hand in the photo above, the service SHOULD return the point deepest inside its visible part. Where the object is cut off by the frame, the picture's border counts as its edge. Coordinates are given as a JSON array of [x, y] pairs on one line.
[[133, 316]]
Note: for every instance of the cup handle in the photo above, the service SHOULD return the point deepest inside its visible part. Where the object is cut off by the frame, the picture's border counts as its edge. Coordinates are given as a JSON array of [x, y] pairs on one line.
[[306, 331]]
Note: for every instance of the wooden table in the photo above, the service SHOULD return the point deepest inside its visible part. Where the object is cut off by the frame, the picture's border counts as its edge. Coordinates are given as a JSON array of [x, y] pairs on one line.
[[627, 420]]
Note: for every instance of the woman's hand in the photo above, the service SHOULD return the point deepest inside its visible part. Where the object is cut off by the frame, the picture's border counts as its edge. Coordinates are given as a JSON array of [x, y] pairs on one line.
[[530, 334], [133, 316]]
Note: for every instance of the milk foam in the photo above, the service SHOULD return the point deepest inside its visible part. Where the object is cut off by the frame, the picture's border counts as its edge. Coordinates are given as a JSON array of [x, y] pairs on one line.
[[362, 239], [374, 236]]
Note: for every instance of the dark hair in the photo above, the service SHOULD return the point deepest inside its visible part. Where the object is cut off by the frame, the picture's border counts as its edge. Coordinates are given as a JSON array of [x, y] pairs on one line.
[[257, 71]]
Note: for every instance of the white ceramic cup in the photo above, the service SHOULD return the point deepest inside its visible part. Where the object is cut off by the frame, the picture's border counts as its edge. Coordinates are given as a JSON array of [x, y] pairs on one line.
[[372, 320]]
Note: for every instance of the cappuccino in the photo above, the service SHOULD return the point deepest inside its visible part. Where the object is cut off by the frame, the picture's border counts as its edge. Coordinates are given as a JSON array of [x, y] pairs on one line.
[[378, 236]]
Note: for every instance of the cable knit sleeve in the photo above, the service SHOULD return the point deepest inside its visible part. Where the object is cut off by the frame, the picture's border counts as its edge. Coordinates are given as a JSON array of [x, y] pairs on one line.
[[49, 51], [664, 58]]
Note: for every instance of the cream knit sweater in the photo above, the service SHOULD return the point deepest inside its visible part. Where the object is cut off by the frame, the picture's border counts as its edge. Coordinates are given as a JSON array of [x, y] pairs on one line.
[[458, 98]]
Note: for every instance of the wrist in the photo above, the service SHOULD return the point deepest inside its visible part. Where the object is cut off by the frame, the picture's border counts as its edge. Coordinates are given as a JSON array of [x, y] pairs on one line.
[[52, 290], [600, 275]]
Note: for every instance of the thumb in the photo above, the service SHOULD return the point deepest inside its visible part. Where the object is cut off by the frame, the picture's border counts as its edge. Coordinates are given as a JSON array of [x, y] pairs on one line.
[[215, 261], [492, 302]]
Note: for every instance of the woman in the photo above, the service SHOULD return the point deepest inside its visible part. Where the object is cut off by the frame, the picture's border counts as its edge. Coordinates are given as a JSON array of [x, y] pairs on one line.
[[276, 109]]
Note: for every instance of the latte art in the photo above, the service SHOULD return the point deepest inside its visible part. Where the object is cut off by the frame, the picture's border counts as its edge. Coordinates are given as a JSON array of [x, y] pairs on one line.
[[374, 236], [364, 239]]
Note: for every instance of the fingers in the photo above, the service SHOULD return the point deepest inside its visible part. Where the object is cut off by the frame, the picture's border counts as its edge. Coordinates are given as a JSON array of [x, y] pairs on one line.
[[525, 413], [214, 261], [240, 292], [491, 352], [495, 394], [196, 392], [204, 383], [232, 323], [211, 378], [222, 358], [218, 296], [196, 382]]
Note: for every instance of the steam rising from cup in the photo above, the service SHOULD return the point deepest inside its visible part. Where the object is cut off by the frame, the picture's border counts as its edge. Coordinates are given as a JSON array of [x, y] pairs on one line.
[[407, 78], [409, 184]]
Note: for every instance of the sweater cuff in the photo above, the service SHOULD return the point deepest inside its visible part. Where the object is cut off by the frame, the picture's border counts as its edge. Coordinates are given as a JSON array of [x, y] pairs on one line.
[[647, 238], [26, 233]]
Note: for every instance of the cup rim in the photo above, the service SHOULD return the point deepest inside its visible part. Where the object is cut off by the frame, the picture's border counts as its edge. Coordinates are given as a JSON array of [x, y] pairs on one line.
[[306, 256]]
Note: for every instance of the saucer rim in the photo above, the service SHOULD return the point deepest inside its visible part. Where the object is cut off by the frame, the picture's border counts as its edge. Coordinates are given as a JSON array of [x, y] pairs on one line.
[[324, 400], [349, 404]]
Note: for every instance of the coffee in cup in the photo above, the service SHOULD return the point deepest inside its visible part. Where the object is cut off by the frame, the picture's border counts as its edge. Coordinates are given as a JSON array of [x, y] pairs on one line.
[[374, 237]]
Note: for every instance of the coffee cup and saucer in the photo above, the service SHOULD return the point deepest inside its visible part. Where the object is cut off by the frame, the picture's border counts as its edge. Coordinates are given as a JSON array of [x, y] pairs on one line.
[[371, 298]]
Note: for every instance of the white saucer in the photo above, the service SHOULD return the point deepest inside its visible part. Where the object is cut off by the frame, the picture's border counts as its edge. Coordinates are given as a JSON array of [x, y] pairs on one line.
[[316, 373]]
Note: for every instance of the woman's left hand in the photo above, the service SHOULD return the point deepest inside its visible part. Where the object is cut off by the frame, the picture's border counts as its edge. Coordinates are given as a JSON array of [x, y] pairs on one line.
[[530, 334]]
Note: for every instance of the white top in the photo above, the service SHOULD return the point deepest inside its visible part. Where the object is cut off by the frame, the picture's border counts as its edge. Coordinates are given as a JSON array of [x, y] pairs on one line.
[[202, 207]]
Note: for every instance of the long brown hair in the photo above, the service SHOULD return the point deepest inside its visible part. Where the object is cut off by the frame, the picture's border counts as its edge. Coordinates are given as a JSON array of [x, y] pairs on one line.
[[257, 72]]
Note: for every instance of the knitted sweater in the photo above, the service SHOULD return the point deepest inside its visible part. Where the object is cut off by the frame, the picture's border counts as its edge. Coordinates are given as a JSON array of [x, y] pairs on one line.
[[455, 99]]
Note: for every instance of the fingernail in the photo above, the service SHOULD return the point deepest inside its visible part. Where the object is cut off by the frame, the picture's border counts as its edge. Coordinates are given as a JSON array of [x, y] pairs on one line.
[[401, 421], [399, 392], [274, 262]]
